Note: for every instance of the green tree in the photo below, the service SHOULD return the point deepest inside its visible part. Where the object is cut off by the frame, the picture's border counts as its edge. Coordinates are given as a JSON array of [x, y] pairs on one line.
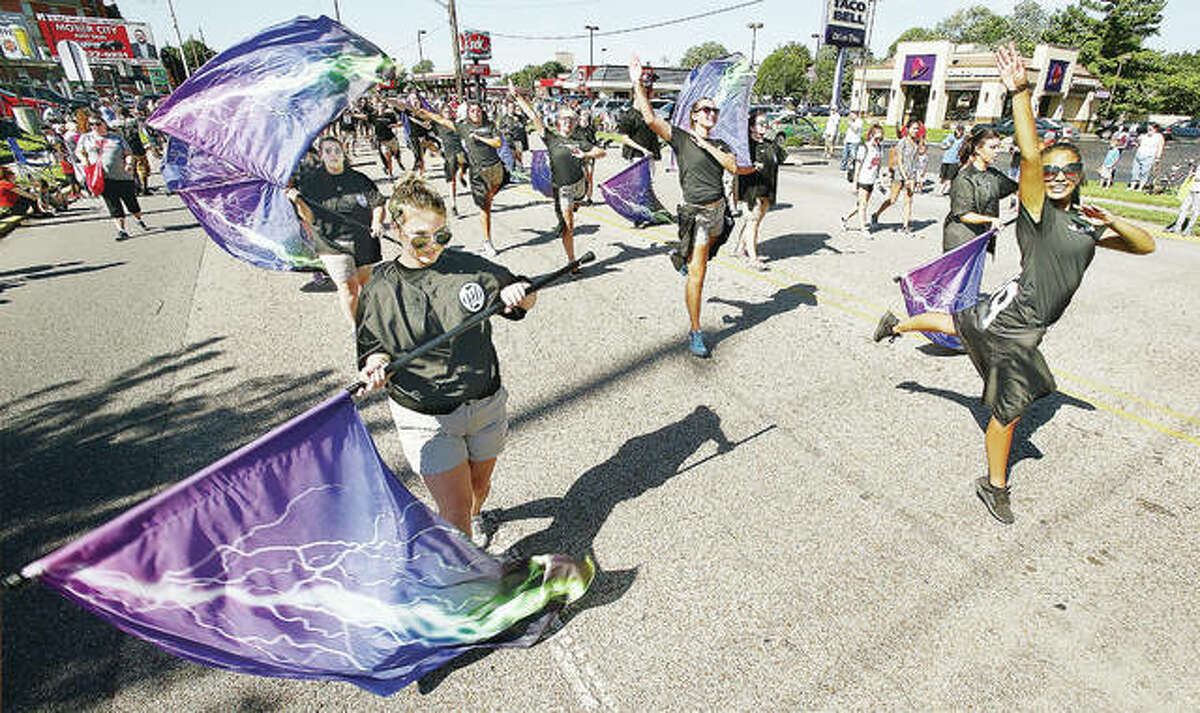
[[197, 54], [822, 87], [697, 55], [914, 34], [784, 72], [528, 75], [1026, 25], [425, 66], [969, 24]]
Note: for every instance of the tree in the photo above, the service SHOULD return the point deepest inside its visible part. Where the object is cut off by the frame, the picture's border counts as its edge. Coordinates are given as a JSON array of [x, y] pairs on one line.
[[528, 75], [197, 54], [1026, 25], [822, 87], [914, 34], [784, 72], [425, 66], [697, 55]]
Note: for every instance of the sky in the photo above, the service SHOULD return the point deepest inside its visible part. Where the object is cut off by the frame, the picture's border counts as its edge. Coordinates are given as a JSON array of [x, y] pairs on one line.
[[393, 24]]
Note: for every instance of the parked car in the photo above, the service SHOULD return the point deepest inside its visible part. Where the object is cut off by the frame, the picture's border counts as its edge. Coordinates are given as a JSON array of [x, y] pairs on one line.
[[1185, 129], [787, 124], [1004, 127]]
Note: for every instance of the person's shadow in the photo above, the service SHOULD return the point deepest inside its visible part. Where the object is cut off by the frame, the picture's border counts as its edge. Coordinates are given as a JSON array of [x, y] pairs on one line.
[[755, 313], [1037, 415]]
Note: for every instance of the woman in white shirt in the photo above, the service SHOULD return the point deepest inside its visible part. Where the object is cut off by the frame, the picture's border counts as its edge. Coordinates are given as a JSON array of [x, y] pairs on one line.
[[866, 174]]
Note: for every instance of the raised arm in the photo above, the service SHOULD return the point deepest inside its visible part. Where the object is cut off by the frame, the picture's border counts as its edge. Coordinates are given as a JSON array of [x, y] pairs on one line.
[[1032, 189], [424, 114], [538, 125], [642, 103]]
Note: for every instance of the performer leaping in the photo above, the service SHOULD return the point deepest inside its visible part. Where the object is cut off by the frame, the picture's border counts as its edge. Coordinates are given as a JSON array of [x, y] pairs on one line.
[[1002, 332], [567, 150], [703, 221]]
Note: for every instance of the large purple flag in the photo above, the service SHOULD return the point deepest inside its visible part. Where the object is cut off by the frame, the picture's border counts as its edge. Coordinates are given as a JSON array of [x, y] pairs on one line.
[[303, 556], [255, 109], [727, 81], [949, 283], [631, 194], [539, 173]]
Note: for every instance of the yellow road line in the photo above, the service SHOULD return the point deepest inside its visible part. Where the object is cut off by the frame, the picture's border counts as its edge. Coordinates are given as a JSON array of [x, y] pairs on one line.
[[768, 277]]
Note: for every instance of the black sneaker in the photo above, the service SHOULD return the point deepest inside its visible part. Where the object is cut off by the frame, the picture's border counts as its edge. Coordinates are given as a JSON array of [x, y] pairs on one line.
[[884, 330], [995, 499]]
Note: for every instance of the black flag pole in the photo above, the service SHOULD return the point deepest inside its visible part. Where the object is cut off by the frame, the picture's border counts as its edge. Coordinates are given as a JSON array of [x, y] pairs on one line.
[[535, 284]]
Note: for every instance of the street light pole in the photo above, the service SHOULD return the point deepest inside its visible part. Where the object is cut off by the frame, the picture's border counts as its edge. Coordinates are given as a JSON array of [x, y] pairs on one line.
[[458, 80], [420, 51], [591, 44], [337, 11], [182, 56], [754, 28]]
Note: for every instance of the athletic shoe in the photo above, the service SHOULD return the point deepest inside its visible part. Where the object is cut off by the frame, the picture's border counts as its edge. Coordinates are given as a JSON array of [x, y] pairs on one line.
[[757, 264], [995, 499], [885, 328], [454, 210], [145, 228], [874, 221], [483, 527], [489, 249], [697, 346], [677, 262], [122, 235]]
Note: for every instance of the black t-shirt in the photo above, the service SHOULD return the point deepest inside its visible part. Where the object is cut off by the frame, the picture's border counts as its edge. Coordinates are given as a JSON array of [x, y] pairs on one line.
[[974, 191], [417, 129], [635, 127], [700, 176], [451, 143], [565, 169], [133, 136], [514, 129], [382, 123], [479, 154], [1054, 255], [349, 194], [761, 182], [401, 308]]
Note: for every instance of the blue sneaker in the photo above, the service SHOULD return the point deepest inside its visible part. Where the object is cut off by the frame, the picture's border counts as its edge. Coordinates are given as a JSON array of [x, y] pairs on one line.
[[697, 346]]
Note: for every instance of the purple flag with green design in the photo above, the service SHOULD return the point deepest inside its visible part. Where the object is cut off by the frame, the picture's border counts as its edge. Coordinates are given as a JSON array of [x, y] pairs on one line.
[[302, 556], [631, 194], [240, 125], [949, 283], [727, 81]]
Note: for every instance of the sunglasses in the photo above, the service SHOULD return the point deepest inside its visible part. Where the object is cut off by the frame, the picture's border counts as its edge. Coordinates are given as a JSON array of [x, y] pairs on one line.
[[420, 241], [1071, 172], [706, 109]]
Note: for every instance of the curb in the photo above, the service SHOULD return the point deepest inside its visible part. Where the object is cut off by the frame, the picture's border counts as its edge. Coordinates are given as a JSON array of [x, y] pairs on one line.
[[9, 224]]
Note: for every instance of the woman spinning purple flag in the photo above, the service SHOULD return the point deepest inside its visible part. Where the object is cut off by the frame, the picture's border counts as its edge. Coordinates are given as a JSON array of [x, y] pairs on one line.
[[1002, 332], [449, 405]]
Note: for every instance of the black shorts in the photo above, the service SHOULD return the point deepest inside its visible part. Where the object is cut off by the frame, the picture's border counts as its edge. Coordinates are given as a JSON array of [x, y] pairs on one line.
[[486, 180], [452, 161], [949, 171], [117, 193], [1014, 371]]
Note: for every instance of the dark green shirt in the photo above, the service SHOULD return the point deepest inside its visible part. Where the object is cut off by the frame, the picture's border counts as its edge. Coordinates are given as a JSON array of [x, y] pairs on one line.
[[700, 176], [451, 143], [635, 127], [350, 195], [974, 191], [565, 169], [1054, 255], [401, 308], [479, 154]]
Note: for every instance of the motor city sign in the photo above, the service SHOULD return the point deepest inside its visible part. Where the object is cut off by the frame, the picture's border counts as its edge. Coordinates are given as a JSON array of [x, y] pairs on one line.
[[846, 22], [474, 44]]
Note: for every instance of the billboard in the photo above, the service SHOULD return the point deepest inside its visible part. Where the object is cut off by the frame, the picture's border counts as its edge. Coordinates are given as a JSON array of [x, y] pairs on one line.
[[1055, 74], [14, 37], [918, 68], [104, 41], [847, 22], [475, 44]]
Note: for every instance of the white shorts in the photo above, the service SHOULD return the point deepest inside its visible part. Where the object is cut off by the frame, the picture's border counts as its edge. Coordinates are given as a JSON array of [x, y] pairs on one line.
[[432, 444], [340, 266]]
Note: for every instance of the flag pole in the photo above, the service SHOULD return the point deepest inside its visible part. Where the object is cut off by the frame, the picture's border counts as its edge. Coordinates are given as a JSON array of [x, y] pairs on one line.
[[535, 284]]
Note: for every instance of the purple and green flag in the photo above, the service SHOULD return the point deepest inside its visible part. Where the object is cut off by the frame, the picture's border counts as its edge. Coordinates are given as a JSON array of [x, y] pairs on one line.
[[240, 125], [727, 81], [302, 556], [539, 173], [949, 283], [631, 194]]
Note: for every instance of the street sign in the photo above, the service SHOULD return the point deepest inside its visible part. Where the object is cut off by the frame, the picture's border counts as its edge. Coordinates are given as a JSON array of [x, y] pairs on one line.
[[477, 70], [74, 62]]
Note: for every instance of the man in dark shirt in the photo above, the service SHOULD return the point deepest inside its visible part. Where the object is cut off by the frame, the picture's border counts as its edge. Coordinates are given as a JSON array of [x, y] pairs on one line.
[[454, 156], [385, 140], [131, 132], [567, 151]]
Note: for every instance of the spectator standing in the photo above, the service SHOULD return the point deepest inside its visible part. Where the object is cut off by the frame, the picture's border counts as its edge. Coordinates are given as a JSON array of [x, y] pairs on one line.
[[854, 126], [950, 146], [1149, 151], [1109, 167], [1189, 210], [832, 126]]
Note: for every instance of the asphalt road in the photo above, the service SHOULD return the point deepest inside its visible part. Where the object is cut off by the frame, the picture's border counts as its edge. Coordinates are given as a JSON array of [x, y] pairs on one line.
[[834, 558]]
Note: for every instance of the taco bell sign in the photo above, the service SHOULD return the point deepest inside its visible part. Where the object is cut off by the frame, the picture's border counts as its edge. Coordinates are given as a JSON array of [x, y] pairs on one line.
[[846, 22], [475, 45]]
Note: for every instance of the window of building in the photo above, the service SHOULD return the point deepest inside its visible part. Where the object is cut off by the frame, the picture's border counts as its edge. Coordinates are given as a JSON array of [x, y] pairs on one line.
[[961, 104], [877, 102]]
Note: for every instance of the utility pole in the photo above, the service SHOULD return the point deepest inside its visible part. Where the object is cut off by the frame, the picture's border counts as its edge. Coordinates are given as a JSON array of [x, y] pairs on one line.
[[591, 44], [458, 79], [182, 56], [754, 28], [337, 11], [420, 52]]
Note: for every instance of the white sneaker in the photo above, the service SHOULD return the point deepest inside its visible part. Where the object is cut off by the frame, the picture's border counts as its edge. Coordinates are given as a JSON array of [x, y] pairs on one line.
[[489, 249], [482, 529]]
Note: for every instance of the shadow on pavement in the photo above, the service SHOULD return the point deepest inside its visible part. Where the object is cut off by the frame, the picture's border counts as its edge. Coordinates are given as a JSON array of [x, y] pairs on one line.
[[76, 457], [755, 313], [88, 215], [12, 279], [1037, 415], [796, 245]]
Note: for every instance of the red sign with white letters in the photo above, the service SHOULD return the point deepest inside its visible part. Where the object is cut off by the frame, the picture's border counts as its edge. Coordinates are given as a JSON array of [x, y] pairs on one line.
[[474, 44]]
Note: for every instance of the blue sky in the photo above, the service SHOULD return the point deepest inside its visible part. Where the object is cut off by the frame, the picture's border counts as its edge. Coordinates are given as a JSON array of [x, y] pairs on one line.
[[393, 24]]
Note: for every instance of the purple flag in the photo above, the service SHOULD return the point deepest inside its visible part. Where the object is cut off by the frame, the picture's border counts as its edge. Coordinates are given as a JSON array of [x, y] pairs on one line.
[[949, 283], [250, 113], [727, 81], [539, 173], [631, 194], [303, 556]]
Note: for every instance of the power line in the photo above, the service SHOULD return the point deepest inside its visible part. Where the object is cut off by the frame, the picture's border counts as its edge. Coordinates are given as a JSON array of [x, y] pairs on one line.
[[627, 30]]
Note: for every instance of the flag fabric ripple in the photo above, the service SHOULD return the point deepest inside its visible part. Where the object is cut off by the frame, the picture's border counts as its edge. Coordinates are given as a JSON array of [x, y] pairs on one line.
[[631, 194], [949, 283], [302, 556]]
